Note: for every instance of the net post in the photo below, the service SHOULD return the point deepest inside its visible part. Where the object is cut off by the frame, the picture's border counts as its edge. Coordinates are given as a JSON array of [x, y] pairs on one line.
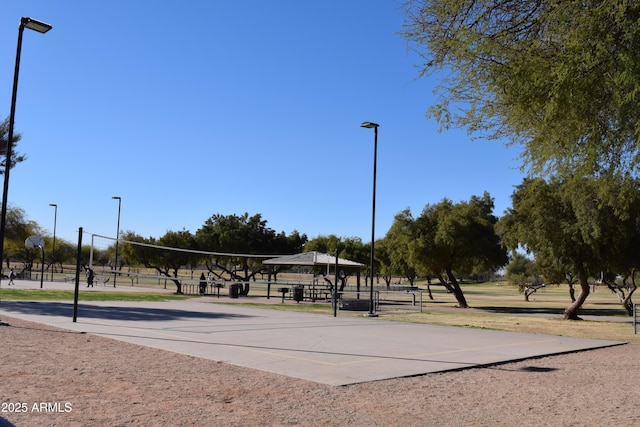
[[77, 289], [334, 301]]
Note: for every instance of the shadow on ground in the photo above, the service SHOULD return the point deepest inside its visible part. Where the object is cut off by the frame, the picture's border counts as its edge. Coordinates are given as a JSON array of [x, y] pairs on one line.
[[616, 312], [64, 309]]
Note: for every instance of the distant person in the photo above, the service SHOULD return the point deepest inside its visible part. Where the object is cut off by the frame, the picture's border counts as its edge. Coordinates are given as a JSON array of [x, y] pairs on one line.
[[89, 273], [12, 276], [203, 284]]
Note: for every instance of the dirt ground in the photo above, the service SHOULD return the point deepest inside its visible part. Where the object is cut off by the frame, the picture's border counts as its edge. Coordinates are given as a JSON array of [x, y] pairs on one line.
[[54, 377]]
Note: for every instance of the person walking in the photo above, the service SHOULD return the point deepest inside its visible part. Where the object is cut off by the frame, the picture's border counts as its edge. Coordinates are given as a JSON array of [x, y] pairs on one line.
[[89, 272], [203, 284], [12, 276]]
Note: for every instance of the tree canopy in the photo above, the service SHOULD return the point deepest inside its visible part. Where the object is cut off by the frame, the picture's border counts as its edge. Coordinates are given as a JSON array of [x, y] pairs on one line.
[[18, 228], [396, 247], [579, 226], [244, 234], [560, 77], [449, 238], [166, 262]]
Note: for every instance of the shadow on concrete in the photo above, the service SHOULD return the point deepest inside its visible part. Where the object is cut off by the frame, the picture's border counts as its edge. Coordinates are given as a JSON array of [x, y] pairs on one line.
[[88, 311]]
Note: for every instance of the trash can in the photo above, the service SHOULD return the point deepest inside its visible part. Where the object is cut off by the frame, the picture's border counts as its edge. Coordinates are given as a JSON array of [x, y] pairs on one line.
[[233, 291], [298, 293]]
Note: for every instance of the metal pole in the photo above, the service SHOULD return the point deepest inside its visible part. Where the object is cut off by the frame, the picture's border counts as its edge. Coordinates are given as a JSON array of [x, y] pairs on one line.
[[40, 27], [7, 164], [372, 271], [53, 249], [373, 220], [115, 274], [78, 264], [335, 287], [42, 267]]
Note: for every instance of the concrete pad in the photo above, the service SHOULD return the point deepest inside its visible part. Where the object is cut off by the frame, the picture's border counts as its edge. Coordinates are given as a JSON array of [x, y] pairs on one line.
[[319, 348]]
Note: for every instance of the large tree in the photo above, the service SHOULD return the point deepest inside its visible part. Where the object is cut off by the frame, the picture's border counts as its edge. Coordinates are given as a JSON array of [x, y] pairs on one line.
[[457, 236], [18, 228], [560, 77], [166, 262], [397, 242], [236, 238], [582, 225]]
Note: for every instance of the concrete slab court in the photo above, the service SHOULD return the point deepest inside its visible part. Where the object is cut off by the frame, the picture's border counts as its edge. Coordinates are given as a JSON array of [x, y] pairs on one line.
[[320, 348]]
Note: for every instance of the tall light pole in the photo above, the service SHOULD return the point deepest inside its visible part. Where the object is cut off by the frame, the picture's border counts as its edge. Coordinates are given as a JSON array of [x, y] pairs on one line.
[[115, 274], [40, 27], [374, 126], [53, 249]]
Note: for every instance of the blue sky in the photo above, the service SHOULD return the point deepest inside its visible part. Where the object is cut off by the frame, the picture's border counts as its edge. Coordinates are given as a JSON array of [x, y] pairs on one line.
[[192, 108]]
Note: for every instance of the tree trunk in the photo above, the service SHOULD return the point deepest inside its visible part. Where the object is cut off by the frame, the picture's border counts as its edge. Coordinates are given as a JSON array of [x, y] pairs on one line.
[[244, 288], [572, 292], [178, 286], [457, 291], [628, 303], [571, 312], [429, 290]]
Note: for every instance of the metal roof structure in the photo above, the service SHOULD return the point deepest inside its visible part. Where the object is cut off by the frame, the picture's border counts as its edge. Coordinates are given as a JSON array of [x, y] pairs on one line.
[[312, 258]]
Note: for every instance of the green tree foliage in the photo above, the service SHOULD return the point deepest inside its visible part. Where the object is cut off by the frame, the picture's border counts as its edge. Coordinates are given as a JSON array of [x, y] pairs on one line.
[[520, 271], [561, 77], [397, 243], [383, 261], [351, 248], [582, 225], [249, 235], [18, 228], [327, 244], [65, 252], [165, 262], [450, 237], [4, 137]]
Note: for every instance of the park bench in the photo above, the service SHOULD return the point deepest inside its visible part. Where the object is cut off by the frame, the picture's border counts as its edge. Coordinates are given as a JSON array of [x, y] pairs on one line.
[[352, 304], [399, 288], [70, 278], [218, 286], [101, 279]]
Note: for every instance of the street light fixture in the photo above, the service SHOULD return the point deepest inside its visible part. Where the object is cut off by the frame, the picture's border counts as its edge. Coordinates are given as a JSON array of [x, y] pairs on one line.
[[115, 269], [374, 126], [40, 27], [53, 249]]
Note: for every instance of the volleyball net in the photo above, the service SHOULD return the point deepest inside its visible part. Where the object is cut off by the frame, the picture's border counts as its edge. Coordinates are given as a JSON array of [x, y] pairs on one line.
[[146, 263]]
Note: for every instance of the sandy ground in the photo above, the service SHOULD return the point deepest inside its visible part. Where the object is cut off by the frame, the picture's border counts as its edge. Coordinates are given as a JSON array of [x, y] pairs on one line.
[[53, 377]]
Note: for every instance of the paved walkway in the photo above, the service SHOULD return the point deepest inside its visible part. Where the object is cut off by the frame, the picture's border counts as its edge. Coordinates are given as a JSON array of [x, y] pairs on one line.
[[320, 348]]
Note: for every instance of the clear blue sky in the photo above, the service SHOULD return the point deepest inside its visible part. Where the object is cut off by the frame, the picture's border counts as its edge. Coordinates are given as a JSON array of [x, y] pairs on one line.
[[190, 108]]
